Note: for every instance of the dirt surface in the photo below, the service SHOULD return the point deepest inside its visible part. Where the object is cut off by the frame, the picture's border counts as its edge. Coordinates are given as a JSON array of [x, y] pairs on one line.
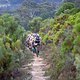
[[38, 69], [34, 70]]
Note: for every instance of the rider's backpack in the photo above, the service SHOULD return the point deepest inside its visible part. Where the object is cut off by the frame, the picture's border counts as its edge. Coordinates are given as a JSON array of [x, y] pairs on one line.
[[37, 39]]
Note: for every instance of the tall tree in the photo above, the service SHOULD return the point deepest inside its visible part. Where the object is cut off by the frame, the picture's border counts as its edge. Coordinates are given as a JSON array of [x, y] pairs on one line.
[[35, 24]]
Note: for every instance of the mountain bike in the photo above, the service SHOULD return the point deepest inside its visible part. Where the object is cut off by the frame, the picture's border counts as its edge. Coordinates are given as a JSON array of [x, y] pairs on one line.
[[36, 50]]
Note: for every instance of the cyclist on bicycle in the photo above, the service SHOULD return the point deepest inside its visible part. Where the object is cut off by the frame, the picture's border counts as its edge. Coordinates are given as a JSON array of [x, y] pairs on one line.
[[34, 41]]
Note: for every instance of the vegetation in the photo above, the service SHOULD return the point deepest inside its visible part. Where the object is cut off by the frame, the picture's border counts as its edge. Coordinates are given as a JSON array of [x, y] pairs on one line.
[[32, 8], [11, 45], [64, 33], [65, 7], [60, 35], [35, 24]]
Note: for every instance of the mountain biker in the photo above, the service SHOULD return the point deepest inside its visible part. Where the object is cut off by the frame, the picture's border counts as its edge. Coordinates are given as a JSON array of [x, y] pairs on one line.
[[34, 41]]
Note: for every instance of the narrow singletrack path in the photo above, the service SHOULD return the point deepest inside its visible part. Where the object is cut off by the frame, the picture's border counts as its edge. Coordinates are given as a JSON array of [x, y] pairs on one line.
[[38, 67], [35, 70]]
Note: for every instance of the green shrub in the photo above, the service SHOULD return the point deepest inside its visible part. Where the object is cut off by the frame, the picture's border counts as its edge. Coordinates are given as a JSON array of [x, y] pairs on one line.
[[77, 28]]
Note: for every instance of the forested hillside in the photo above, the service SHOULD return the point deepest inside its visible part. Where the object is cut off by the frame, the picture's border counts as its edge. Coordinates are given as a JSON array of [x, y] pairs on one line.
[[36, 8], [25, 10], [58, 24]]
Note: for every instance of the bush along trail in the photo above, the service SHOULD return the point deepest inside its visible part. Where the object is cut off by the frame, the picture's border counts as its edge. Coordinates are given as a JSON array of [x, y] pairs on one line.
[[12, 49], [61, 36]]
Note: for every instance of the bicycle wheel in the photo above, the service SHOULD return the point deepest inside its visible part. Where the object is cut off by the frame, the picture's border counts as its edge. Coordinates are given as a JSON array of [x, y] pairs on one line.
[[37, 51]]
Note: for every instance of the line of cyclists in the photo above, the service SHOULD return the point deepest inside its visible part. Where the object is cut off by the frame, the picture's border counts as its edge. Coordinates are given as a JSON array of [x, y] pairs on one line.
[[33, 42]]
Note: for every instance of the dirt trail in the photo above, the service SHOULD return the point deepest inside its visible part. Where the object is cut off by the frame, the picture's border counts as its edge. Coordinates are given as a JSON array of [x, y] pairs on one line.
[[38, 71], [33, 71]]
